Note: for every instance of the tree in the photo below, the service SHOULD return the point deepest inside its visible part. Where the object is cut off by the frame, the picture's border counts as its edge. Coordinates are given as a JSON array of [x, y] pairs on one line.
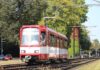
[[14, 14], [95, 44], [30, 11], [85, 42]]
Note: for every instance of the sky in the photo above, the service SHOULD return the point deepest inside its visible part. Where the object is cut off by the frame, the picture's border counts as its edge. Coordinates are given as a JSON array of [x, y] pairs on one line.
[[93, 20]]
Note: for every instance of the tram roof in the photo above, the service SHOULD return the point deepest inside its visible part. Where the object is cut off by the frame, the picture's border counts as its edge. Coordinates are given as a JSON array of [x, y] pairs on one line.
[[45, 27]]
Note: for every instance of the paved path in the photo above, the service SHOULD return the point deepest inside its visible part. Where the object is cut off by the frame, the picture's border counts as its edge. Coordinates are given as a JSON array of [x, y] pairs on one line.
[[95, 65], [15, 61]]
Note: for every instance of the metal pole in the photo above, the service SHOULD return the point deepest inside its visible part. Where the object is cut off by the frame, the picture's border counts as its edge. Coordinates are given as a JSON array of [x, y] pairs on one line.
[[1, 47], [79, 41], [45, 22], [73, 41], [98, 1]]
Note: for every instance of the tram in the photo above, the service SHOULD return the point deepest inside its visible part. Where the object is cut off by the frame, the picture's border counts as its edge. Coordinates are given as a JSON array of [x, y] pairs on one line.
[[40, 43]]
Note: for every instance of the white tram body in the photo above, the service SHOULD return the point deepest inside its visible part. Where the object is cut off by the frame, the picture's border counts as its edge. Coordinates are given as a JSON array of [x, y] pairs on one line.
[[40, 43]]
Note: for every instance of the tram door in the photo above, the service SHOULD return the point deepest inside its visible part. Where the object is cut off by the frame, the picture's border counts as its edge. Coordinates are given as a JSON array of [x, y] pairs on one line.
[[43, 45]]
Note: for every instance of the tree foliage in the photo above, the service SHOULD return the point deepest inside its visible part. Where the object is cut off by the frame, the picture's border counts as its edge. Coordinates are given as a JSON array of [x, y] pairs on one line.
[[95, 44], [67, 13], [14, 14], [30, 11]]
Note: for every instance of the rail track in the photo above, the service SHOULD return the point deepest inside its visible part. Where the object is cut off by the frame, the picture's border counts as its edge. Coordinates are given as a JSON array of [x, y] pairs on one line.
[[54, 66]]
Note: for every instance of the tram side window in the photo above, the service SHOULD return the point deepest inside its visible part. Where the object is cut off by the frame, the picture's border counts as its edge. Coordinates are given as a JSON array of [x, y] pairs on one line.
[[65, 44], [52, 40], [60, 42], [57, 42]]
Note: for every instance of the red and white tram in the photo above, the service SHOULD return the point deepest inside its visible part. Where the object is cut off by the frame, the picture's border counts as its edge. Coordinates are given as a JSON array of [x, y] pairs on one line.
[[40, 43]]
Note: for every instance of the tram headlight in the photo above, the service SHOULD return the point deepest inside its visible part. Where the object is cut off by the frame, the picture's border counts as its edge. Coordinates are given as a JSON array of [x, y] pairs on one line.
[[36, 51], [23, 51]]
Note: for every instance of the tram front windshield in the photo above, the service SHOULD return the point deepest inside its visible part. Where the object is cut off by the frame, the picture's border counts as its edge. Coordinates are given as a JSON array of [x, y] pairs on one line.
[[30, 36]]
